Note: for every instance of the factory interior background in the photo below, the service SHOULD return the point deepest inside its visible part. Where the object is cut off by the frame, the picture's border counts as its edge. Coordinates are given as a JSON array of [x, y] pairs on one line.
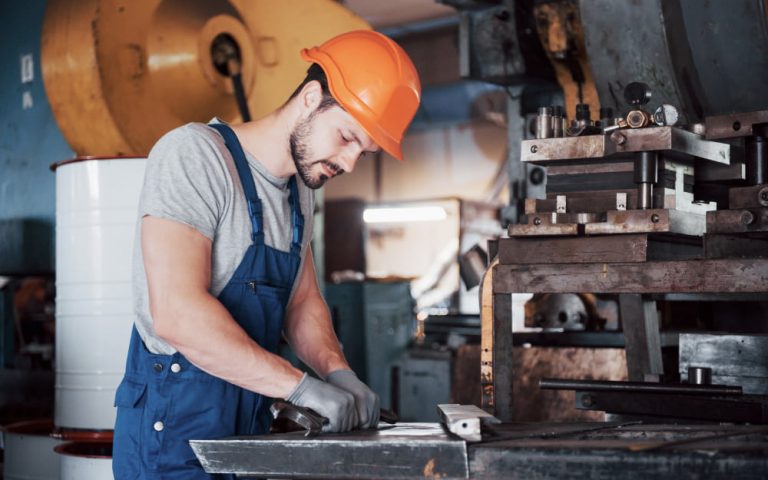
[[417, 258]]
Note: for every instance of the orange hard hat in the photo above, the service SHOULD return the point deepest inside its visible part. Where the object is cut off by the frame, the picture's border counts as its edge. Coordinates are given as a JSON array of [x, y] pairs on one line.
[[374, 80]]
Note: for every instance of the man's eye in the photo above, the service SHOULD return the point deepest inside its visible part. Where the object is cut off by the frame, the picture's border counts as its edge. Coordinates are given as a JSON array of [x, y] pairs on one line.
[[345, 139]]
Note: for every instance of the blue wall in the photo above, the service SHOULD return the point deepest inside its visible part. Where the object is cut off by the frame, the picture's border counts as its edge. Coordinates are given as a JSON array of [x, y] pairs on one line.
[[29, 138]]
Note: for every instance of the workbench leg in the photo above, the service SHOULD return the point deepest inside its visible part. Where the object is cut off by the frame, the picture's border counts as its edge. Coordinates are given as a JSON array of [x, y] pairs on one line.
[[502, 356], [642, 339]]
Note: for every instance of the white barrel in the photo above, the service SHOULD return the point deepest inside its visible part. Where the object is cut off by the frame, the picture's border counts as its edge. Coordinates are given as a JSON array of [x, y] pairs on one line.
[[96, 212], [29, 451], [85, 461]]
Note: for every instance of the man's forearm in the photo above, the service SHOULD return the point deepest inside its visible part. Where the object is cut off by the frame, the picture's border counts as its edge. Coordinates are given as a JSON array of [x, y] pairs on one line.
[[309, 331], [204, 332]]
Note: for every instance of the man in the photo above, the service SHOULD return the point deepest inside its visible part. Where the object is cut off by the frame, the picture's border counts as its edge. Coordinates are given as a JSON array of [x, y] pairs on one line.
[[223, 268]]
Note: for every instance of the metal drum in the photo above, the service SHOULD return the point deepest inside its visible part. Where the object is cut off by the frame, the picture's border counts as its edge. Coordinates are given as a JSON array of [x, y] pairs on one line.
[[29, 451], [85, 461], [96, 211]]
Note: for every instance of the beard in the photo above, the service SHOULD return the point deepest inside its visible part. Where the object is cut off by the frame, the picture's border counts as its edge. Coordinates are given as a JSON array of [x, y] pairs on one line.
[[300, 155]]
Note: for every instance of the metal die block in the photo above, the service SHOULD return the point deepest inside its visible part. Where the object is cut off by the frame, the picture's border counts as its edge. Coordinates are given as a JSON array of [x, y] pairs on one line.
[[738, 221], [685, 276], [662, 139], [734, 125], [748, 197], [543, 225], [649, 221], [608, 248]]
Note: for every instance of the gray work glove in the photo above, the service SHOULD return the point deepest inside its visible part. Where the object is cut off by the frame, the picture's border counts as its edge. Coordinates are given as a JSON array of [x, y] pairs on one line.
[[335, 404], [367, 402]]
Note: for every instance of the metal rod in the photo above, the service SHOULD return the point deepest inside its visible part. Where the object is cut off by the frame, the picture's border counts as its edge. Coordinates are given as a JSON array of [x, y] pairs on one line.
[[646, 175], [756, 154], [639, 387]]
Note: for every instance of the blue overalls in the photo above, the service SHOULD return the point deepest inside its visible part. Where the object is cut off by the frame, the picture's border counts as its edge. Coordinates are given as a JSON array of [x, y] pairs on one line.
[[164, 401]]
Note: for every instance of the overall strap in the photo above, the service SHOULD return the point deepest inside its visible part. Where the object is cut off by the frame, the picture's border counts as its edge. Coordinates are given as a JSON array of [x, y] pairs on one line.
[[246, 179], [297, 218]]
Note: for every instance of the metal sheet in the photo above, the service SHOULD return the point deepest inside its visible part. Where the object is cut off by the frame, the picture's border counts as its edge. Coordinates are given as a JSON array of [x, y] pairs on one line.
[[407, 450], [665, 139], [606, 455]]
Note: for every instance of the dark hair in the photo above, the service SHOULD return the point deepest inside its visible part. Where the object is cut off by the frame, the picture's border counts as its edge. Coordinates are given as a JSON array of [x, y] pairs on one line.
[[316, 73]]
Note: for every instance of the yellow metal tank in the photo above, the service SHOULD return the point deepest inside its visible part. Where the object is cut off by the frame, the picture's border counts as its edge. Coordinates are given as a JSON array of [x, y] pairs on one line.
[[119, 74]]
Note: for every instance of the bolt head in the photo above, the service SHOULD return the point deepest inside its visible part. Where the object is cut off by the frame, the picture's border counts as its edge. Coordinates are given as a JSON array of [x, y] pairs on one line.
[[747, 217], [537, 221], [655, 218], [534, 149]]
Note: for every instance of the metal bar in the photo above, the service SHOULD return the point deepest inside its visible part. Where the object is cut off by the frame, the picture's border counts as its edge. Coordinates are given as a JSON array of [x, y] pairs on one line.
[[737, 409], [465, 421], [636, 387], [688, 276], [640, 323], [503, 367]]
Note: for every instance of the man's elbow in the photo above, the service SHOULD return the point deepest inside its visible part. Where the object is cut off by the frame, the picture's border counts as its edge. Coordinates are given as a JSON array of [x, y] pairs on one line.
[[166, 317]]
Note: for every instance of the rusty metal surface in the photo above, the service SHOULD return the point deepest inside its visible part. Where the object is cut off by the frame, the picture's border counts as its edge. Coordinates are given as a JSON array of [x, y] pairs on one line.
[[748, 197], [734, 125], [542, 225], [738, 221], [407, 450], [692, 276], [486, 339], [663, 139], [649, 221], [610, 248]]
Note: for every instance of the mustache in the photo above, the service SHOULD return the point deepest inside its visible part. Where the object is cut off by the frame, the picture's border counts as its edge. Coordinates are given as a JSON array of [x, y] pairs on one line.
[[336, 169]]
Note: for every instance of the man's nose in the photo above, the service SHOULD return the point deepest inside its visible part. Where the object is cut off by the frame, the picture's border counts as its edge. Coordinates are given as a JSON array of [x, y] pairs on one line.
[[348, 159]]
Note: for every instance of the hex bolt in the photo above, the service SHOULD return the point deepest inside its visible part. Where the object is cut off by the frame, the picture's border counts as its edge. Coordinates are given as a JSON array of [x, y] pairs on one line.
[[537, 221], [655, 218], [747, 217]]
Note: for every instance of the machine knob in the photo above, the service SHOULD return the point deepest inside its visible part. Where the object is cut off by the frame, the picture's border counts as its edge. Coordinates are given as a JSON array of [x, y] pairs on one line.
[[637, 93], [666, 116]]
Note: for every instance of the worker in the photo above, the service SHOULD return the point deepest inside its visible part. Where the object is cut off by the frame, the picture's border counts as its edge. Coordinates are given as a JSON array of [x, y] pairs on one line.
[[223, 268]]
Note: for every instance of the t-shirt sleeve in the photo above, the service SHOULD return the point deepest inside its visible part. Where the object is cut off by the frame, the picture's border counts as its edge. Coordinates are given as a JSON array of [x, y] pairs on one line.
[[186, 180]]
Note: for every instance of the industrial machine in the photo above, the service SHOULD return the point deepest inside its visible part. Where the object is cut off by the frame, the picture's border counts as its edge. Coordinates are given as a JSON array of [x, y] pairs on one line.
[[643, 177]]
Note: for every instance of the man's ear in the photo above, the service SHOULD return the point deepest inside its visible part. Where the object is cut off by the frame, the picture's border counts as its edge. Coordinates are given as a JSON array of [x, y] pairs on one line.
[[310, 97]]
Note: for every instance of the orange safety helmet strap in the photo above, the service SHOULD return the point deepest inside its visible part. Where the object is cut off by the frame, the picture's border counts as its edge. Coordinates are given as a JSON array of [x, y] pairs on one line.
[[374, 80]]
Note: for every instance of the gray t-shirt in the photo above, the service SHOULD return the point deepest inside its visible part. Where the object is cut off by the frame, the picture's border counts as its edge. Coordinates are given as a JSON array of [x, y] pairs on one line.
[[191, 178]]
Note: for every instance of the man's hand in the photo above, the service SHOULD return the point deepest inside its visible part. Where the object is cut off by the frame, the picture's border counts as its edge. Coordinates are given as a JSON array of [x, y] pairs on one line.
[[335, 404], [366, 400]]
